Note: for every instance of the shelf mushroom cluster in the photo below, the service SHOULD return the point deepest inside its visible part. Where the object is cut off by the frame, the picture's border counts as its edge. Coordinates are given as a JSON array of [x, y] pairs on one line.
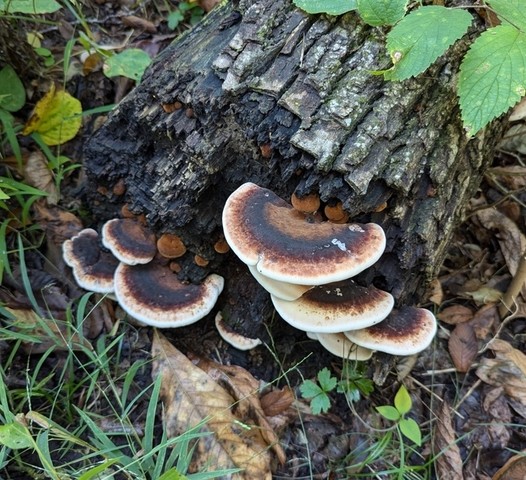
[[146, 288], [307, 267]]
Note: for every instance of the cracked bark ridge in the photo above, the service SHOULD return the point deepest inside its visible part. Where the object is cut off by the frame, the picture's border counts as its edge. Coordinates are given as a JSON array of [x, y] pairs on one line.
[[262, 92]]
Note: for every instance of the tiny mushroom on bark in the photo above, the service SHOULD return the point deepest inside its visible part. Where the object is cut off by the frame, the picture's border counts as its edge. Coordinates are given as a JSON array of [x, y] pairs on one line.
[[307, 204], [153, 294], [338, 344], [170, 245], [284, 244], [130, 241], [93, 268], [404, 332], [233, 338], [335, 308]]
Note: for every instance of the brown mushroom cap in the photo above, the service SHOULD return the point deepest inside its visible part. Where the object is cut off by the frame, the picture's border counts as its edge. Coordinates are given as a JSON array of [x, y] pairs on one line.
[[153, 294], [307, 204], [93, 268], [336, 308], [264, 230], [130, 241], [283, 290], [338, 344], [404, 332]]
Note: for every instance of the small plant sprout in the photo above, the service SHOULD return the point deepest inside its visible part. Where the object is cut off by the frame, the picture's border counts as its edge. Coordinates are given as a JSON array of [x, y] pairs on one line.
[[402, 405], [353, 383], [318, 393]]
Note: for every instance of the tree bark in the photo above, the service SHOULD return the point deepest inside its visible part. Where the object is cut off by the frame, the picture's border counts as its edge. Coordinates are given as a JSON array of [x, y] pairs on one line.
[[260, 91]]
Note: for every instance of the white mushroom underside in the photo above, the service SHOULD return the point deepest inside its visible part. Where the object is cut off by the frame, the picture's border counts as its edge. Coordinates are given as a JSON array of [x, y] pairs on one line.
[[284, 290]]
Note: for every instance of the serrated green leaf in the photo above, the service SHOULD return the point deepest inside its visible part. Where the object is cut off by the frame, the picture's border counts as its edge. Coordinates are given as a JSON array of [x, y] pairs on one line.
[[421, 37], [389, 412], [402, 400], [381, 12], [332, 7], [411, 430], [510, 11], [29, 6], [309, 389], [326, 380], [12, 91], [320, 404], [131, 63], [492, 76]]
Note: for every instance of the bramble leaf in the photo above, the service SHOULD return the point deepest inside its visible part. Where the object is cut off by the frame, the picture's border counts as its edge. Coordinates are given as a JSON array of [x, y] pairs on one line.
[[12, 92], [411, 430], [421, 37], [56, 117], [29, 6], [332, 7], [402, 400], [510, 11], [492, 76], [130, 63], [381, 12]]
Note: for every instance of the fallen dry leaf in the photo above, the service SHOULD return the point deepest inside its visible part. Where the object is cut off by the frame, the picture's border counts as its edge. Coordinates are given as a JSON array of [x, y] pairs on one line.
[[455, 314], [484, 321], [244, 388], [38, 175], [448, 459], [277, 401], [513, 469], [463, 346], [507, 369], [191, 397], [59, 224], [139, 23]]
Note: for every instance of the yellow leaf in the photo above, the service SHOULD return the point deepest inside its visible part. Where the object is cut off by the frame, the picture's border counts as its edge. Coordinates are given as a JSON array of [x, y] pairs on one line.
[[56, 117]]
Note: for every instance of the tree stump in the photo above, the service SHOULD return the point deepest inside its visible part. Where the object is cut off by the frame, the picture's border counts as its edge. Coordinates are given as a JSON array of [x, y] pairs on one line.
[[261, 91]]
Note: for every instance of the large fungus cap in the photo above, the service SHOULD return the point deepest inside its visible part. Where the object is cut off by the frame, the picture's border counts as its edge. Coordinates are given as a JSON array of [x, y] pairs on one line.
[[153, 294], [93, 268], [283, 290], [404, 332], [338, 344], [286, 245], [130, 241], [335, 308]]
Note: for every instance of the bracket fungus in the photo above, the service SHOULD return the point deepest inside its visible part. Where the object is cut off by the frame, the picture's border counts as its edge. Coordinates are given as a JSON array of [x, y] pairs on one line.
[[154, 295], [338, 344], [335, 308], [147, 290], [264, 230], [404, 332], [92, 267], [130, 241], [283, 290], [233, 338]]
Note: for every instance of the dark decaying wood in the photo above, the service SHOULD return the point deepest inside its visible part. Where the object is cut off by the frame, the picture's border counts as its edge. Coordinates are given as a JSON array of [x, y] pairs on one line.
[[263, 92]]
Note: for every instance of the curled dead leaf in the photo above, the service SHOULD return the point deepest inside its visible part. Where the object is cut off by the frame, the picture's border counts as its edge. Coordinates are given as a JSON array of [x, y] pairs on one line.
[[38, 175], [513, 469], [455, 314], [277, 401], [463, 346]]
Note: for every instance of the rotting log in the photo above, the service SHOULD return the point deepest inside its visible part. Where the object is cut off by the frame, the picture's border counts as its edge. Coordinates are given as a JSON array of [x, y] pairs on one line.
[[262, 92]]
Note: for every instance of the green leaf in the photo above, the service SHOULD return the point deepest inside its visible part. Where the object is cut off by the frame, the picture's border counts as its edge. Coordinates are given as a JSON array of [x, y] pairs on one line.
[[12, 91], [411, 430], [174, 18], [309, 389], [510, 11], [29, 6], [421, 37], [131, 63], [320, 404], [173, 474], [492, 76], [402, 400], [389, 412], [332, 7], [381, 12], [327, 381], [15, 435]]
